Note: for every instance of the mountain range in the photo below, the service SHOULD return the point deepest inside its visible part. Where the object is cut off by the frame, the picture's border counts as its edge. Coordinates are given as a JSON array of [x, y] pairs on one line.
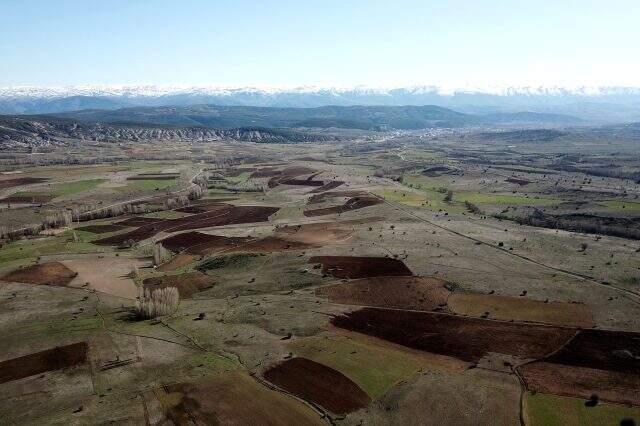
[[596, 105]]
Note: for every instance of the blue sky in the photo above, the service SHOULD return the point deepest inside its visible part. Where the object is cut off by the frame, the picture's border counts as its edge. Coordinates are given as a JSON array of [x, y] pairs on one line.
[[328, 43]]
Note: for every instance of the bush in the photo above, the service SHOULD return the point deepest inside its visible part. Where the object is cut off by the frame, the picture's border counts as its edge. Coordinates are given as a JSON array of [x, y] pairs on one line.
[[472, 208], [154, 303]]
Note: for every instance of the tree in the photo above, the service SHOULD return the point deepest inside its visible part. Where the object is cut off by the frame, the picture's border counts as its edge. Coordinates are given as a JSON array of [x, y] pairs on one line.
[[155, 303], [449, 197]]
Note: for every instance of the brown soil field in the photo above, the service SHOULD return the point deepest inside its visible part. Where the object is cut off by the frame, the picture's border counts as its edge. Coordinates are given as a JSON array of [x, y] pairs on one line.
[[177, 262], [115, 279], [603, 350], [468, 339], [101, 229], [289, 173], [27, 199], [319, 384], [50, 273], [199, 243], [272, 244], [187, 284], [361, 267], [582, 382], [320, 198], [10, 183], [302, 182], [315, 233], [232, 399], [41, 362], [138, 221], [354, 203], [415, 293], [521, 309], [203, 206], [327, 186], [226, 215], [521, 182]]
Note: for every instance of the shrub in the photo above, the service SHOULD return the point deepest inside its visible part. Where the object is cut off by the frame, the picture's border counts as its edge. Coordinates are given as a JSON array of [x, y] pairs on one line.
[[154, 303], [472, 208]]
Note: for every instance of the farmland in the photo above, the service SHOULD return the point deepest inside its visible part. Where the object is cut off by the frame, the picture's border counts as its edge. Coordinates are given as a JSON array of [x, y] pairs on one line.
[[398, 280]]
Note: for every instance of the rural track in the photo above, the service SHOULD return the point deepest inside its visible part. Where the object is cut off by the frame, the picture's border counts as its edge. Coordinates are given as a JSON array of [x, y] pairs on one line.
[[629, 294]]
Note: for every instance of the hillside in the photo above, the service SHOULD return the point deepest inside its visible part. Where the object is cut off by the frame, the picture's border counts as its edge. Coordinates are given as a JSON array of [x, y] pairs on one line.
[[351, 117], [42, 130]]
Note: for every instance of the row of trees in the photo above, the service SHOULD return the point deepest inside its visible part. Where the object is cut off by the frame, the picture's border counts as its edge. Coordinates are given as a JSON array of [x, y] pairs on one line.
[[91, 212]]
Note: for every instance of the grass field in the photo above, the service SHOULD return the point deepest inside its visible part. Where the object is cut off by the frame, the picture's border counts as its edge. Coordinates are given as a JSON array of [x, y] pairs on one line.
[[65, 188], [431, 199], [619, 205], [62, 243], [552, 410], [502, 199], [147, 185], [356, 359]]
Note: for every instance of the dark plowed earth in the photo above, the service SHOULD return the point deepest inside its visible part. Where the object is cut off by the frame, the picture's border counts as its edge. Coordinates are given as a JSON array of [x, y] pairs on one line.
[[319, 198], [101, 229], [138, 221], [10, 183], [468, 339], [51, 273], [354, 203], [27, 199], [273, 244], [521, 182], [199, 243], [603, 350], [361, 267], [319, 384], [582, 382], [327, 186], [41, 362], [413, 293], [187, 284], [288, 174], [302, 182], [225, 215]]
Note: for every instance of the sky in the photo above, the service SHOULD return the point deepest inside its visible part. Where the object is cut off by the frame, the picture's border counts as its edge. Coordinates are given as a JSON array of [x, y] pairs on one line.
[[328, 43]]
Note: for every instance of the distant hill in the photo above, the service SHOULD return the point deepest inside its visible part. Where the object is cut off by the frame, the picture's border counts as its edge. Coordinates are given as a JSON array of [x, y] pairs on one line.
[[18, 131], [349, 117]]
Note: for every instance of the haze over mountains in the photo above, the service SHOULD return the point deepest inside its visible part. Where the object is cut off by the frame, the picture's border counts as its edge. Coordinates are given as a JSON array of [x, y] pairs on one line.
[[597, 105]]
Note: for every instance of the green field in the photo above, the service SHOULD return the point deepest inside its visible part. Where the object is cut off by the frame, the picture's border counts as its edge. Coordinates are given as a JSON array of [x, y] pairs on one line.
[[147, 185], [358, 361], [65, 188], [427, 198], [29, 249], [619, 205], [551, 410]]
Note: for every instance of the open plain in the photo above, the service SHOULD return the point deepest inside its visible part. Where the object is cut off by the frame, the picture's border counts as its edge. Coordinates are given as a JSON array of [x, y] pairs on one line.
[[398, 278]]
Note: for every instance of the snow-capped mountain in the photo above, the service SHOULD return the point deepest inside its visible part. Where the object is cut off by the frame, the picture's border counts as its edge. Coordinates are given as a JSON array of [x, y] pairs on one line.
[[593, 103]]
